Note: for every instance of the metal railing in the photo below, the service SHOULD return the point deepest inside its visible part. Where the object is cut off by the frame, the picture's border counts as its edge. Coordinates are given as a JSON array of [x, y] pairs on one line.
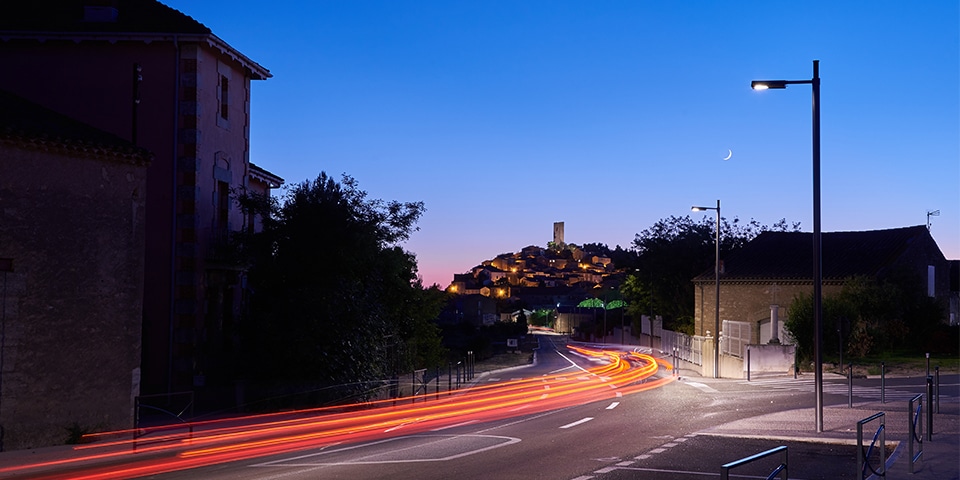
[[689, 349], [863, 458], [780, 470], [916, 432], [171, 408]]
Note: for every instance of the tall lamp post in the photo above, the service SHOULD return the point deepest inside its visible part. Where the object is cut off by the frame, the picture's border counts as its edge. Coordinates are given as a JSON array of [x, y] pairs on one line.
[[817, 257], [716, 277]]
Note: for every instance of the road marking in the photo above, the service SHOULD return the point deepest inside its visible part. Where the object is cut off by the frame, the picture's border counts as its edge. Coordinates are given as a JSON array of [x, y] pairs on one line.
[[701, 386], [583, 477], [658, 470], [396, 455], [404, 424], [670, 445], [658, 450], [521, 407], [642, 457], [613, 405], [625, 464], [468, 422], [578, 422], [544, 396]]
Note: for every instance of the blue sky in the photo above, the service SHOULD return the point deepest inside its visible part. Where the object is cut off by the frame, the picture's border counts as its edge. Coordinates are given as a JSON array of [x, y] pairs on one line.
[[507, 116]]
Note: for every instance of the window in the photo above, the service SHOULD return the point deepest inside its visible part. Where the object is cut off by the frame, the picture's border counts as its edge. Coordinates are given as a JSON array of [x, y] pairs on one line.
[[224, 97]]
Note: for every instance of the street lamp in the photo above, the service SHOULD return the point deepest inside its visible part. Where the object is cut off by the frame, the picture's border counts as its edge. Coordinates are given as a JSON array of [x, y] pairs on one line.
[[817, 257], [716, 276]]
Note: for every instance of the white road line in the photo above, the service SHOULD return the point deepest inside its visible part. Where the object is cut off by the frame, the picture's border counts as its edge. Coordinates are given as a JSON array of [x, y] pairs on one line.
[[701, 386], [521, 407], [613, 405], [468, 422], [544, 396], [578, 422], [572, 363]]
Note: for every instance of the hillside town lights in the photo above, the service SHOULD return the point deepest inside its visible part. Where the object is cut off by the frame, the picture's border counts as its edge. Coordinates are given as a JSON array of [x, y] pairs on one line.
[[716, 277], [817, 258]]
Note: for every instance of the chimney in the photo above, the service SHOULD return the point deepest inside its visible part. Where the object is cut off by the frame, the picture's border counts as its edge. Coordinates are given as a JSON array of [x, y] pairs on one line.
[[100, 11]]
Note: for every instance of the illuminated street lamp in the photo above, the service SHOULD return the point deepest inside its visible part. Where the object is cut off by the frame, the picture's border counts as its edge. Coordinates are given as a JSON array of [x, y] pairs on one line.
[[716, 276], [817, 257]]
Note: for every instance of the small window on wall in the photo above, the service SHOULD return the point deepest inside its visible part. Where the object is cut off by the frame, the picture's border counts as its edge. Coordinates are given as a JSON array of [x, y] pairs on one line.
[[224, 97]]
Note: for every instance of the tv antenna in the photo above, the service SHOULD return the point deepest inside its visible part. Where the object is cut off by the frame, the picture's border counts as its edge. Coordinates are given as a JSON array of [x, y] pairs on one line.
[[931, 213]]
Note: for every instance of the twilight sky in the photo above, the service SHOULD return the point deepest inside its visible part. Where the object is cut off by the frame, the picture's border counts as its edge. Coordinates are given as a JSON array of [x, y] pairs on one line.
[[507, 116]]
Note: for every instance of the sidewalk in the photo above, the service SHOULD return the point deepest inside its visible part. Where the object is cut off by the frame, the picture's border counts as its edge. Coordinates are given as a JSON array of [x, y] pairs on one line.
[[940, 459]]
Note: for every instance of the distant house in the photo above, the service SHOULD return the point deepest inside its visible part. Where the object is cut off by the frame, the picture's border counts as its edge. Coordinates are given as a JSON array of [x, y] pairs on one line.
[[161, 80], [759, 281], [72, 236]]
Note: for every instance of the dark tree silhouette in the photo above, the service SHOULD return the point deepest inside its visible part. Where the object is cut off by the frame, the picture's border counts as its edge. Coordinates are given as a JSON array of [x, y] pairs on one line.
[[336, 303]]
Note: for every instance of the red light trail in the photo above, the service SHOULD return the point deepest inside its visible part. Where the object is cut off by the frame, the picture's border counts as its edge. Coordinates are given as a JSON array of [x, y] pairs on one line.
[[156, 450]]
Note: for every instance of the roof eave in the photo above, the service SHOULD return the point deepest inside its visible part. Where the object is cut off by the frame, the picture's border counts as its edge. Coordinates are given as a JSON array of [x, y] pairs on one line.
[[257, 71]]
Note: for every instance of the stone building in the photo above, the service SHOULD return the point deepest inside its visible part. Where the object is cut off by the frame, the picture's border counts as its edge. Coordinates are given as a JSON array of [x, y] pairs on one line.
[[759, 281], [156, 77], [72, 227]]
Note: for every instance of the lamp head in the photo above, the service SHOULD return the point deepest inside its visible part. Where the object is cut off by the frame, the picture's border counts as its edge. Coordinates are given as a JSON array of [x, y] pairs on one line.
[[701, 209], [765, 84]]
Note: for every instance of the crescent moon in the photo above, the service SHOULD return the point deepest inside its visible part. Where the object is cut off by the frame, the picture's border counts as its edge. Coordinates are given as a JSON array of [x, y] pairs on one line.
[[729, 154]]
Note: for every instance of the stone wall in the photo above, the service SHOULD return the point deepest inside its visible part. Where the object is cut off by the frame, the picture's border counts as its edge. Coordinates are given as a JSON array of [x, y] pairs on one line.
[[72, 229], [748, 302]]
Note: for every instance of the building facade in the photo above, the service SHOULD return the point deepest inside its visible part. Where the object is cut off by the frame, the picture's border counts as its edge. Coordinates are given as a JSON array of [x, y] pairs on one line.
[[163, 81], [72, 237]]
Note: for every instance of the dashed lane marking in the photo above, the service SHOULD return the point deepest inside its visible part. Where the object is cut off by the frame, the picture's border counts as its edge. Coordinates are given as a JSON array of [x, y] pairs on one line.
[[578, 422]]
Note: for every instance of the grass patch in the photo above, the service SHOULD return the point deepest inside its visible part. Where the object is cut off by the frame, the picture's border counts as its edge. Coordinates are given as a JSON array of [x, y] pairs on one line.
[[903, 362]]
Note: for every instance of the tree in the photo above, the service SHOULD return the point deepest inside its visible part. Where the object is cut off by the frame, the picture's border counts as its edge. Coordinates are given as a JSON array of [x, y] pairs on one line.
[[868, 316], [336, 303], [674, 251]]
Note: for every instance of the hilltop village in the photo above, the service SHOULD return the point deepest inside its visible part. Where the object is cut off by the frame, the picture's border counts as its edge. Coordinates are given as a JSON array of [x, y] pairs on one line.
[[535, 278]]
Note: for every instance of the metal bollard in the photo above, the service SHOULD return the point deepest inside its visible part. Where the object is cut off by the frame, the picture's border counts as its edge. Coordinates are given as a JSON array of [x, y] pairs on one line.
[[936, 381], [928, 364], [882, 385], [850, 386], [929, 408]]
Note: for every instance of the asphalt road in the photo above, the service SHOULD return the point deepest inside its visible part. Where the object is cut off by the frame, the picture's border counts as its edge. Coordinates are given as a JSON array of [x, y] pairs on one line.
[[651, 434], [673, 432]]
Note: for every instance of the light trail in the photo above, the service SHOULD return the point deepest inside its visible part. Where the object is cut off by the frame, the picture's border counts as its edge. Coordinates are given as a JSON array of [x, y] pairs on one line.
[[220, 441]]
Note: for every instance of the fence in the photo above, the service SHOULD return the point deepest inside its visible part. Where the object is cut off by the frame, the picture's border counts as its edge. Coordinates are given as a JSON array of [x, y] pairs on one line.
[[735, 338], [687, 348]]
